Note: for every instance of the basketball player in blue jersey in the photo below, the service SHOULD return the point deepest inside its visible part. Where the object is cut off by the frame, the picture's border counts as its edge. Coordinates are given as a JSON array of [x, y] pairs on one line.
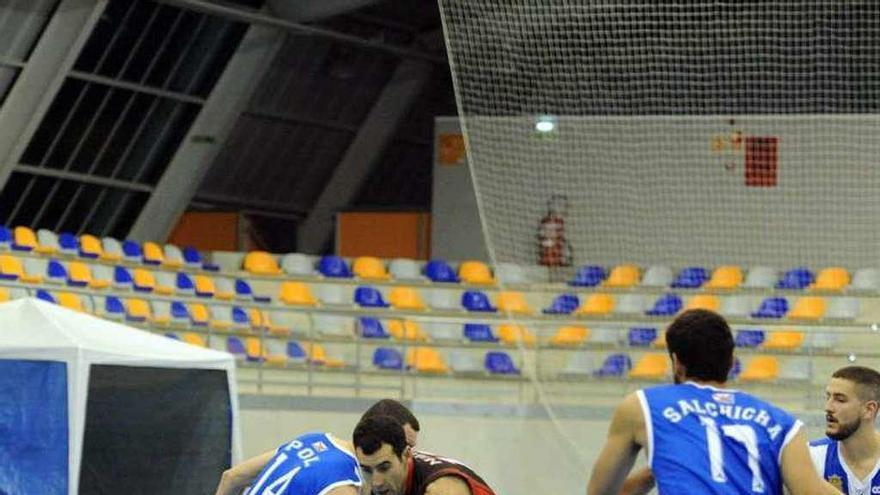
[[849, 458], [701, 437]]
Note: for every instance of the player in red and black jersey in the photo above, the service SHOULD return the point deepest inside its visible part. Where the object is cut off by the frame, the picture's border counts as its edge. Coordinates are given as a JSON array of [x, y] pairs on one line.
[[391, 467]]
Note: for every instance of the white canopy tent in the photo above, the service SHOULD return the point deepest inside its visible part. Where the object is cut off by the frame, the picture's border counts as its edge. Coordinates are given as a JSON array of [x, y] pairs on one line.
[[142, 410]]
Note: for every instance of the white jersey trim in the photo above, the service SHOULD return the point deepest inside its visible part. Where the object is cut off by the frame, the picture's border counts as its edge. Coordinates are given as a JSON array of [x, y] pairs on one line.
[[331, 486], [856, 483], [649, 426], [795, 428], [818, 454]]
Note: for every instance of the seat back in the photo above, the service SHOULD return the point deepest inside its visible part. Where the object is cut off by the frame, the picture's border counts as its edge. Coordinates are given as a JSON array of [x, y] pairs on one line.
[[623, 276], [298, 264], [831, 279], [866, 279], [615, 365], [808, 308], [406, 330], [296, 294], [691, 277], [369, 297], [642, 336], [597, 304], [513, 302], [71, 301], [334, 267], [761, 368], [204, 286], [194, 339], [589, 276], [112, 249], [90, 246], [475, 272], [760, 277], [184, 284], [153, 254], [78, 274], [371, 328], [784, 340], [387, 358], [666, 305], [652, 366], [426, 360], [406, 298], [474, 300], [500, 363], [260, 263], [370, 268], [563, 304], [725, 277], [843, 308], [10, 267], [479, 332], [511, 273], [515, 334], [138, 310], [772, 307], [440, 271], [23, 239], [796, 278], [657, 276], [748, 337], [570, 335], [404, 269], [704, 301]]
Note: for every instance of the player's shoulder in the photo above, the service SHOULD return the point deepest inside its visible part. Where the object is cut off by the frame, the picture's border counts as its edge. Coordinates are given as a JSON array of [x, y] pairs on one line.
[[448, 485]]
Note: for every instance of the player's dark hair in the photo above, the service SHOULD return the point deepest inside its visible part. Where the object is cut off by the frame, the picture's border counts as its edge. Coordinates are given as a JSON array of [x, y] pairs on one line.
[[867, 381], [370, 433], [703, 343], [390, 407]]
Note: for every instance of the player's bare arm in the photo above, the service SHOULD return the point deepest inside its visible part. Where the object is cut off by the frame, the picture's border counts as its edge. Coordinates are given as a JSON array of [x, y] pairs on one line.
[[798, 473], [626, 435], [240, 475], [639, 483], [448, 485]]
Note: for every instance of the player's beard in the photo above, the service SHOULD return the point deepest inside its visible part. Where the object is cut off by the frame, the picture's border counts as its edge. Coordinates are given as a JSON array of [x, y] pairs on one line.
[[844, 430]]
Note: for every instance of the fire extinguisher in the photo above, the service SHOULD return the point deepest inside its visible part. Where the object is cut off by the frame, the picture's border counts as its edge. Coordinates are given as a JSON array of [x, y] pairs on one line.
[[553, 248]]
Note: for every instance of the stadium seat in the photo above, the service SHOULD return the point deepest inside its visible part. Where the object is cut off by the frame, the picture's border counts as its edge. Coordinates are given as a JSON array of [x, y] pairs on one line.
[[203, 286], [760, 368], [90, 247], [808, 308], [183, 284], [749, 337], [112, 249], [580, 364], [832, 279], [631, 304], [297, 264], [440, 271], [463, 362], [615, 365], [692, 277], [332, 294], [796, 279], [369, 297], [5, 238], [113, 308], [597, 305], [606, 335], [511, 273], [588, 276], [474, 300], [622, 276], [221, 318], [444, 330], [295, 352], [71, 301], [333, 325], [153, 254], [479, 332], [725, 277], [866, 279], [137, 310], [444, 300], [34, 270], [570, 336], [80, 275], [772, 307], [24, 239], [386, 358], [371, 328], [760, 277], [842, 308], [45, 295], [274, 324], [795, 369], [318, 355], [242, 319], [256, 318], [166, 283], [68, 244], [173, 336], [225, 289], [657, 276], [194, 259], [666, 305], [406, 298], [370, 268], [652, 366], [243, 290], [334, 267], [272, 354], [404, 269], [236, 347], [199, 315], [56, 272], [426, 360], [173, 256], [10, 267], [47, 242], [513, 302], [563, 304], [736, 307], [475, 272], [161, 312], [784, 340], [260, 263], [516, 334], [180, 313], [704, 301], [122, 278], [500, 363], [641, 336], [406, 330], [194, 339], [132, 252]]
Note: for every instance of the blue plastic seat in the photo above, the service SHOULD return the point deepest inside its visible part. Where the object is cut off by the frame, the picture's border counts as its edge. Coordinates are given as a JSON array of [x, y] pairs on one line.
[[615, 365], [131, 251], [122, 277], [369, 297], [235, 346], [563, 304], [796, 278], [474, 300], [172, 336], [589, 276], [500, 363], [479, 332], [642, 336], [45, 296], [440, 271], [371, 328], [334, 267], [114, 307], [295, 351], [243, 290], [68, 243], [749, 338], [666, 305], [239, 316], [5, 237], [56, 272], [735, 370], [184, 283], [691, 277], [772, 307], [386, 358], [180, 312], [193, 259]]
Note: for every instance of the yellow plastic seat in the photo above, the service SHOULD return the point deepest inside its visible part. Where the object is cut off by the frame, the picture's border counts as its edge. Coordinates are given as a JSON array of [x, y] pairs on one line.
[[761, 368], [138, 309], [406, 298], [514, 334], [164, 290], [784, 340], [725, 277], [597, 304], [25, 237], [808, 308], [253, 348], [223, 294], [426, 360], [80, 272], [831, 279], [318, 355], [70, 300], [153, 254], [407, 330], [91, 246], [199, 314], [475, 272], [296, 294], [370, 268], [12, 269], [570, 336], [704, 301], [255, 317], [204, 286], [261, 263], [623, 276], [652, 366], [4, 294], [144, 280], [194, 339], [513, 302]]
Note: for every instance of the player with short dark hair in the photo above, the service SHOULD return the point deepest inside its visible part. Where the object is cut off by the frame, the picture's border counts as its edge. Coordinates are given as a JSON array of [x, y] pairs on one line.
[[390, 407]]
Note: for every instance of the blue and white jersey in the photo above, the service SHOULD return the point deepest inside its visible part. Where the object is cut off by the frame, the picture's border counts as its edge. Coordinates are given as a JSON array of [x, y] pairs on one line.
[[707, 440], [830, 465], [311, 464]]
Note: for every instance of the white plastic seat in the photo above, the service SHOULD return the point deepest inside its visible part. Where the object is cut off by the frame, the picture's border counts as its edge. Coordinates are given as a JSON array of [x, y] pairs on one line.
[[462, 361], [866, 279], [48, 239], [842, 308], [657, 276], [760, 277], [35, 266], [112, 248], [444, 300], [795, 369], [606, 335], [17, 293], [443, 330], [297, 264], [405, 269], [173, 255], [580, 363], [822, 338], [335, 325], [736, 306], [629, 304], [510, 273], [332, 294]]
